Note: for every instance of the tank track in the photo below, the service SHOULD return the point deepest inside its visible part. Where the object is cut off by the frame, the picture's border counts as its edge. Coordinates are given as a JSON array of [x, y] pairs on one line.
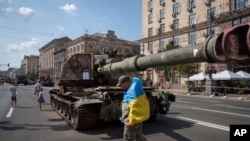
[[84, 117]]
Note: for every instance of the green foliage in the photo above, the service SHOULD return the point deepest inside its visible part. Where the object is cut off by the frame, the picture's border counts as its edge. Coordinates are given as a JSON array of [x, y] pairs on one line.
[[243, 83], [186, 70]]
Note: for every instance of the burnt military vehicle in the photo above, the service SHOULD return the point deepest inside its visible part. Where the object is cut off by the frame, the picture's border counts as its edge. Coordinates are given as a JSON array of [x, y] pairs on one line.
[[88, 94]]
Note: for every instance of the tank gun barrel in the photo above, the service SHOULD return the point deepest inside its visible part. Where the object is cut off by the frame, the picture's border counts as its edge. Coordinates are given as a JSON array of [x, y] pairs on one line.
[[232, 45]]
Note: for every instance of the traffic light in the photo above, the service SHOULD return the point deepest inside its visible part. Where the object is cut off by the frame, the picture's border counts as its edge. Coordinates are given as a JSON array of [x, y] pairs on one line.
[[8, 65]]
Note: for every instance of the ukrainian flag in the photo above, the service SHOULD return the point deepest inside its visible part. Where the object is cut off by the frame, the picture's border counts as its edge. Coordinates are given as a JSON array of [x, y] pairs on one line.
[[138, 102]]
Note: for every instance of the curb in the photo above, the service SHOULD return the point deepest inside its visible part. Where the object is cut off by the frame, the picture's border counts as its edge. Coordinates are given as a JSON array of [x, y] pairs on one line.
[[239, 98], [198, 94]]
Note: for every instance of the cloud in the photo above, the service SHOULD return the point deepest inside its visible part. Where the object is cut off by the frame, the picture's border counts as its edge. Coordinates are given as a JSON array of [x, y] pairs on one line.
[[25, 12], [23, 46], [61, 28], [103, 18], [8, 9], [5, 6], [69, 8]]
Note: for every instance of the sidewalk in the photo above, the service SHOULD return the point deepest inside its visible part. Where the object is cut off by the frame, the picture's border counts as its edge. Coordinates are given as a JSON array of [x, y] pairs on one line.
[[184, 92]]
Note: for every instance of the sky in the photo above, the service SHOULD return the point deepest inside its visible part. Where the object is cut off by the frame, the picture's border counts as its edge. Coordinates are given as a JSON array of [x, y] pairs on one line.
[[27, 25]]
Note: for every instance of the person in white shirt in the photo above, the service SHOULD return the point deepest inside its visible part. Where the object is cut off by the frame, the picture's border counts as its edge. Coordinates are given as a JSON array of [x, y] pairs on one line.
[[13, 91], [38, 86]]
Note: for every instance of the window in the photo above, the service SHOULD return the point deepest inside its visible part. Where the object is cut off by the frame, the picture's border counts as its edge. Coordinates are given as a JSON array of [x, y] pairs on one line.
[[150, 47], [175, 79], [240, 4], [162, 28], [176, 24], [162, 14], [211, 31], [101, 48], [176, 8], [150, 5], [119, 50], [150, 32], [176, 40], [239, 21], [191, 38], [191, 3], [162, 2], [211, 13], [161, 44], [150, 18], [192, 20]]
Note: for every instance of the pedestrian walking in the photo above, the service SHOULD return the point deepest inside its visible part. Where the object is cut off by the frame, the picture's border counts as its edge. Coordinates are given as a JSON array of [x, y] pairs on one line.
[[135, 108], [13, 94], [38, 86], [40, 99]]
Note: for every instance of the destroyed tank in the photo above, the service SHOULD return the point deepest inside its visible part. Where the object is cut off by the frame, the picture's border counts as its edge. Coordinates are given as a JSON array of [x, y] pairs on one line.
[[87, 90]]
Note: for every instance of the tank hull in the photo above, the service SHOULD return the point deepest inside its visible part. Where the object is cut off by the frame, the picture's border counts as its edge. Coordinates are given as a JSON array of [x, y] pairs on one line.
[[84, 110]]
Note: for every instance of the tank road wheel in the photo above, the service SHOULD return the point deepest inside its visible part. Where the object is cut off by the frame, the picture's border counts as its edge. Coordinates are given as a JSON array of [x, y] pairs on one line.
[[55, 103], [62, 107], [84, 117], [71, 113], [66, 109], [53, 100], [73, 117]]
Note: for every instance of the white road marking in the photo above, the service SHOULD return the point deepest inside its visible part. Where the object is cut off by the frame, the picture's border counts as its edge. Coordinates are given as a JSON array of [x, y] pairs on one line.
[[220, 112], [10, 112], [233, 107], [184, 101], [200, 122], [212, 101]]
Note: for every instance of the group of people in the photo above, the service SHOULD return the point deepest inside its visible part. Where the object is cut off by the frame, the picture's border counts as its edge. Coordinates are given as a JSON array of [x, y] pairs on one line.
[[38, 93]]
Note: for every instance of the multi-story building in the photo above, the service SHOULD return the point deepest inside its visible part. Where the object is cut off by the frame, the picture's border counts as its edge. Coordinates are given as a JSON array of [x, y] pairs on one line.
[[60, 56], [29, 65], [55, 53], [186, 23], [51, 57]]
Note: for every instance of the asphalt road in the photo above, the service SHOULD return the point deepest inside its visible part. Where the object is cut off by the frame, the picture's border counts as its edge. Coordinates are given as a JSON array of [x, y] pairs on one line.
[[190, 119]]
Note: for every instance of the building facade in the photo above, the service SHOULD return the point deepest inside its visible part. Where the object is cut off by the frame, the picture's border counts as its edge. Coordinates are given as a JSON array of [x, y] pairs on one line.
[[50, 56], [99, 43], [55, 53], [29, 65], [60, 57], [188, 22]]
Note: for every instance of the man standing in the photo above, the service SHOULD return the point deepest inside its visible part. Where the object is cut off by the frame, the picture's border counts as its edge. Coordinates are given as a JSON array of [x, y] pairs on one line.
[[135, 108], [13, 91]]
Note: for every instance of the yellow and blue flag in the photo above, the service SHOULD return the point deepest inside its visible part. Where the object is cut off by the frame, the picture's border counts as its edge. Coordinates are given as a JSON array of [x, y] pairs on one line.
[[138, 102]]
